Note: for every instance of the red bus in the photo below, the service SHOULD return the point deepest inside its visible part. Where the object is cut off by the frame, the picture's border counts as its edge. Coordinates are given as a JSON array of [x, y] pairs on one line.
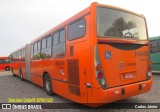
[[98, 56], [4, 63]]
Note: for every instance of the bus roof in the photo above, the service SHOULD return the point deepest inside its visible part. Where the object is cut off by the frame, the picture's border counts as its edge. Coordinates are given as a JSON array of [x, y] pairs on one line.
[[4, 57], [63, 24], [79, 15], [74, 18], [19, 48], [121, 9]]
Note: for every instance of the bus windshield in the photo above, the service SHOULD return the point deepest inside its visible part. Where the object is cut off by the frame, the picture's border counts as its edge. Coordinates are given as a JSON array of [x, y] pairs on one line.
[[113, 23]]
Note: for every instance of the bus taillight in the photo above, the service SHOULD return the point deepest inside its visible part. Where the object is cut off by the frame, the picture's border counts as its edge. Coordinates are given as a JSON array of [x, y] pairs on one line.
[[149, 70], [99, 71], [99, 67], [149, 73], [100, 74], [101, 79]]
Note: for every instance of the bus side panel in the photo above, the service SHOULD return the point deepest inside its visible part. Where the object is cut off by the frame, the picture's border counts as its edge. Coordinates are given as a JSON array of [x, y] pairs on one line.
[[16, 68], [37, 78], [155, 61], [36, 75], [1, 64], [77, 72], [58, 73], [79, 66]]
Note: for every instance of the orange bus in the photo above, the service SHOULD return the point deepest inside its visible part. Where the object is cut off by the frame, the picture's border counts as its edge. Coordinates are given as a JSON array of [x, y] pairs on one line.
[[98, 56], [4, 63]]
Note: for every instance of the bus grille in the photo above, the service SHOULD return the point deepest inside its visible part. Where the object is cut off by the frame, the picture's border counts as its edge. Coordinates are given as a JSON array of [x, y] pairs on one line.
[[73, 75]]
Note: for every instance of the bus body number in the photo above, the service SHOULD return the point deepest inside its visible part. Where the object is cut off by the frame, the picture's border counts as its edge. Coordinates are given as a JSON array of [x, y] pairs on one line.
[[141, 53]]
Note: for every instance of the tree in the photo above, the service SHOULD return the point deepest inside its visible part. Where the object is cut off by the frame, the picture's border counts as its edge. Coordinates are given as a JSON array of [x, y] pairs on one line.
[[118, 26]]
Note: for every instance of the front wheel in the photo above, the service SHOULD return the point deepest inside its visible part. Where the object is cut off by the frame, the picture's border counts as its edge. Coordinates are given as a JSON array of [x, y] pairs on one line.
[[48, 84]]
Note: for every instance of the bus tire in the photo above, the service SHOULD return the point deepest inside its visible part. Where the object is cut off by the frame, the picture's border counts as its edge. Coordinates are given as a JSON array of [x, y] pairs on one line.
[[7, 68], [21, 75], [48, 84]]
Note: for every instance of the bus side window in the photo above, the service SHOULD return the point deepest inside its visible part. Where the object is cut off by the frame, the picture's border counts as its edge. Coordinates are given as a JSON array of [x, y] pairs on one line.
[[1, 61], [17, 56], [153, 46], [39, 49], [59, 44], [77, 29], [46, 47], [159, 45], [32, 51], [36, 53], [6, 61]]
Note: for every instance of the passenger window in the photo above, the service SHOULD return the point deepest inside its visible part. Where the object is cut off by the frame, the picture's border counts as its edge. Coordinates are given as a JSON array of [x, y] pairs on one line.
[[159, 45], [44, 44], [32, 51], [39, 45], [49, 41], [35, 46], [56, 38], [1, 61], [59, 47], [46, 51], [36, 52], [153, 46], [62, 36], [77, 29]]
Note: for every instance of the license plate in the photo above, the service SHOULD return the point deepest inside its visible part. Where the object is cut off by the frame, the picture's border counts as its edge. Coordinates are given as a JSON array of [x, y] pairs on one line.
[[129, 75]]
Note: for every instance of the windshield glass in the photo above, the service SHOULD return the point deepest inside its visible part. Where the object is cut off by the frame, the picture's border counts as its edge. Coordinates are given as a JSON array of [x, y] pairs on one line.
[[118, 24]]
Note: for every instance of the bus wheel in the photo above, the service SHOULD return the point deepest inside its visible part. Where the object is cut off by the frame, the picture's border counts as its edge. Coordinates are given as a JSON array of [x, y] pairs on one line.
[[21, 75], [7, 68], [48, 84]]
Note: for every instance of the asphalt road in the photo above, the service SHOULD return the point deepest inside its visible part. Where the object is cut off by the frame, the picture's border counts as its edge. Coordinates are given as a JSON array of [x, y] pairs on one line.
[[13, 87]]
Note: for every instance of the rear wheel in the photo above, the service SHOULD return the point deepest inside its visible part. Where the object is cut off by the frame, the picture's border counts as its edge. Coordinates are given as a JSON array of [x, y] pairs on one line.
[[48, 84], [7, 68]]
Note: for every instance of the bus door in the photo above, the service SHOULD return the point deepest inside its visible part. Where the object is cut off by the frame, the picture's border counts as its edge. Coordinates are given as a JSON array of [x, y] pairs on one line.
[[78, 61], [1, 64]]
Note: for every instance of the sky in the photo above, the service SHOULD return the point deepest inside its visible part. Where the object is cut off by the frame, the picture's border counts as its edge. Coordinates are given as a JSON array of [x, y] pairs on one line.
[[21, 21]]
